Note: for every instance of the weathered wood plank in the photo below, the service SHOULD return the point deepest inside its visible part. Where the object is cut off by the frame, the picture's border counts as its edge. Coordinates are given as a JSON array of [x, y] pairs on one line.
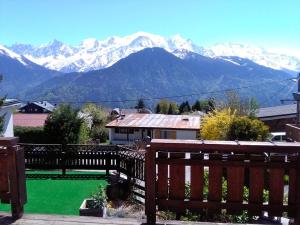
[[256, 185], [235, 183]]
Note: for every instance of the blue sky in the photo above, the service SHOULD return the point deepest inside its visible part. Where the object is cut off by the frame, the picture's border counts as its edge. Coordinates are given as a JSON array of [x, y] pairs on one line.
[[268, 23]]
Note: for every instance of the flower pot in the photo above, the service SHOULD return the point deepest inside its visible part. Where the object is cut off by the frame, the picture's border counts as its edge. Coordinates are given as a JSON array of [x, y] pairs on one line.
[[84, 211]]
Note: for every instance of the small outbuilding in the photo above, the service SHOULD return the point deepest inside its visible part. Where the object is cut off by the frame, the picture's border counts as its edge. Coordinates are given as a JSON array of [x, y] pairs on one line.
[[136, 126]]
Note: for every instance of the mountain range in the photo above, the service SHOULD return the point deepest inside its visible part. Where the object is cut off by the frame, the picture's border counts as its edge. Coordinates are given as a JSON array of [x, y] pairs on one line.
[[117, 71], [93, 54]]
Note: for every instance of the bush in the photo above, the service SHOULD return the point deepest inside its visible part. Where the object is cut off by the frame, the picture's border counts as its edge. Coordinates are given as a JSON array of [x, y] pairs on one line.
[[216, 125], [98, 198], [30, 134], [63, 126], [243, 128]]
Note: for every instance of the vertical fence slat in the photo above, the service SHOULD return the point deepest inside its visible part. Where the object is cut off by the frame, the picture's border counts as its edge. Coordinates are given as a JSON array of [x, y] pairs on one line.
[[197, 178], [276, 186], [215, 183], [235, 183], [177, 178], [162, 177], [150, 206], [256, 184]]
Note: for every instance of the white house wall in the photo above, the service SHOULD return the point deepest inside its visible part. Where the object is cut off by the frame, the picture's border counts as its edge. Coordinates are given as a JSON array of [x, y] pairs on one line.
[[186, 134], [120, 138], [8, 128]]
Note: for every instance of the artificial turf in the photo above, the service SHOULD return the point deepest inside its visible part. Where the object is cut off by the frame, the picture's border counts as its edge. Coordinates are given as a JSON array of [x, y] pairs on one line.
[[58, 196]]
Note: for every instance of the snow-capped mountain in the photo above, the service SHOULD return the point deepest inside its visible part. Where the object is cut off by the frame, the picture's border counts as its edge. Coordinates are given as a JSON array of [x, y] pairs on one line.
[[8, 53], [274, 59], [94, 54]]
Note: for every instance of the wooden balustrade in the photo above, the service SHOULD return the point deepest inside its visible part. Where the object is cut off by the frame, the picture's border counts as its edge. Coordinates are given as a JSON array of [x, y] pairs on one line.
[[12, 176], [258, 166]]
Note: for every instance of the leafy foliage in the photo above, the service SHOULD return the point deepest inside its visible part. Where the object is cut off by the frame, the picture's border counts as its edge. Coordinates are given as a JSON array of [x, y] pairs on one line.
[[184, 107], [63, 126], [244, 128], [206, 106], [140, 104], [98, 119], [98, 198], [164, 106], [34, 135], [216, 125]]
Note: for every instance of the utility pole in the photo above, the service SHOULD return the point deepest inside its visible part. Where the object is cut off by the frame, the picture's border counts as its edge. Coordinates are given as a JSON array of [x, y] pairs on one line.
[[297, 98]]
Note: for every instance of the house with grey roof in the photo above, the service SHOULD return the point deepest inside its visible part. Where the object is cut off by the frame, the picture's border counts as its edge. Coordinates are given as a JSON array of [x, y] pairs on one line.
[[37, 107], [129, 128], [277, 117]]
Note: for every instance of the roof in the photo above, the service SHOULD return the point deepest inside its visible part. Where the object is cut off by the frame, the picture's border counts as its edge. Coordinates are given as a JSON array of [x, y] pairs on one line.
[[11, 102], [275, 111], [44, 104], [137, 120], [30, 119]]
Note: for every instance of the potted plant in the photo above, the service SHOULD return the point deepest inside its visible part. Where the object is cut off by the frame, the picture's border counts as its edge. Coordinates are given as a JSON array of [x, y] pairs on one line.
[[95, 204]]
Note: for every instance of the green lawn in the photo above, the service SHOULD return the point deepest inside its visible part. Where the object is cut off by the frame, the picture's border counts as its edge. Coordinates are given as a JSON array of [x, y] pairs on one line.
[[57, 196]]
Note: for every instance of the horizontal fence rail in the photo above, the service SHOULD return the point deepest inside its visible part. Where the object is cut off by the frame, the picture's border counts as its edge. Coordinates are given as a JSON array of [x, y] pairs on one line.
[[207, 166]]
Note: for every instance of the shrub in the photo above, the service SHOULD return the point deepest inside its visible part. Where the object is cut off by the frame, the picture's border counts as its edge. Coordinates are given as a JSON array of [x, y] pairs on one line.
[[30, 134], [244, 128], [216, 125], [98, 198], [63, 126]]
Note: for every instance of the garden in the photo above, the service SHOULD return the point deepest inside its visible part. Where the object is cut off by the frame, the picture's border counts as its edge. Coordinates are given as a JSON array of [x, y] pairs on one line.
[[50, 193]]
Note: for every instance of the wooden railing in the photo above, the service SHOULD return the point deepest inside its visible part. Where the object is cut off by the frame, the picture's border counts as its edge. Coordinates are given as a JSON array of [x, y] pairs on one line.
[[12, 176], [256, 165], [96, 157]]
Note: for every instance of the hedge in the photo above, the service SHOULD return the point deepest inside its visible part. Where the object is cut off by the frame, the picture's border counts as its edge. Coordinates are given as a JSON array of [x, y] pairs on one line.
[[30, 134]]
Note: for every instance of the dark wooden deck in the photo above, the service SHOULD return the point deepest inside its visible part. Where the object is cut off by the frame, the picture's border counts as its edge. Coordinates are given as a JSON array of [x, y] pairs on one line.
[[36, 219]]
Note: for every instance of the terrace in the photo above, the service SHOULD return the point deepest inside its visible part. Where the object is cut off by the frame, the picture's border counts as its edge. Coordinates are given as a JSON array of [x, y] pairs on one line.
[[170, 166]]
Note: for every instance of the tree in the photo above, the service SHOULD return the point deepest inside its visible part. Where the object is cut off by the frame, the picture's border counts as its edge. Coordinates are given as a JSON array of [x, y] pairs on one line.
[[164, 105], [173, 108], [184, 107], [99, 119], [157, 108], [243, 107], [63, 126], [140, 104], [244, 128], [196, 106], [216, 125]]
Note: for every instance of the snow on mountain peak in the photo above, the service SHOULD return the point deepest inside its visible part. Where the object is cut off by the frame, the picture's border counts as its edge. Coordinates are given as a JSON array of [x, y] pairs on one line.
[[89, 43], [269, 58], [11, 54], [92, 54]]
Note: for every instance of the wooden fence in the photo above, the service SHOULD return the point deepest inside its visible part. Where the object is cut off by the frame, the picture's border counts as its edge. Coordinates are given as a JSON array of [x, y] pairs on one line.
[[258, 165], [96, 157], [12, 176]]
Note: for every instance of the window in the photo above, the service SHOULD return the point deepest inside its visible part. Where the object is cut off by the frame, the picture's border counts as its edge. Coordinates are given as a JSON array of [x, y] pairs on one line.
[[167, 134], [122, 130]]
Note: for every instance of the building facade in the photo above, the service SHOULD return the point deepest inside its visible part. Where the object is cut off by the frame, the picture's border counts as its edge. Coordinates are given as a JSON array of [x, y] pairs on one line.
[[133, 127]]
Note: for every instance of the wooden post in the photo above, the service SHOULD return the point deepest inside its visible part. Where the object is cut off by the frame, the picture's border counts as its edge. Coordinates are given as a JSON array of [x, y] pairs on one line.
[[150, 170], [16, 173], [297, 218]]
